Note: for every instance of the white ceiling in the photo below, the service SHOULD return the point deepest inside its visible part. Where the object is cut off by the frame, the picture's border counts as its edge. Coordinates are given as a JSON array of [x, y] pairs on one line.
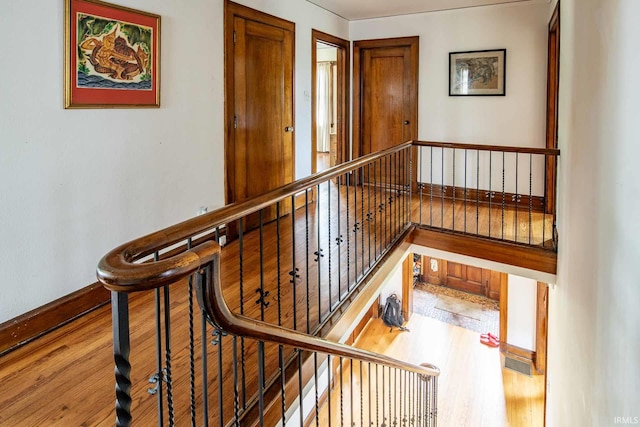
[[364, 9]]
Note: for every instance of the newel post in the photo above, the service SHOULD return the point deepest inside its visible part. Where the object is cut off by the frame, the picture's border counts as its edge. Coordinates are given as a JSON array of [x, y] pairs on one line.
[[121, 349]]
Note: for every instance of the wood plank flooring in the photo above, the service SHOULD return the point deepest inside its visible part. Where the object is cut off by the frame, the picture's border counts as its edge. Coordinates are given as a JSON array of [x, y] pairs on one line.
[[66, 377]]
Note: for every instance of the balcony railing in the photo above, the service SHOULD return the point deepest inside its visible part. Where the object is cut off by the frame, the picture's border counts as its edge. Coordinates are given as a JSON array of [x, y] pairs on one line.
[[232, 334]]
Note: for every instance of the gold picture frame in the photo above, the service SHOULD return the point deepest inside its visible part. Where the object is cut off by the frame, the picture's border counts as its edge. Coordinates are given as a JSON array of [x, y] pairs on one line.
[[112, 56]]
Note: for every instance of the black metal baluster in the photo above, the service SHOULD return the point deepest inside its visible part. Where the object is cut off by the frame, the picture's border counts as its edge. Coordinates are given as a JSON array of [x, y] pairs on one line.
[[341, 396], [442, 189], [260, 383], [121, 352], [351, 423], [431, 188], [192, 348], [375, 213], [329, 241], [516, 203], [329, 388], [502, 223], [347, 178], [420, 188], [315, 378], [294, 270], [241, 289], [236, 394], [369, 213], [306, 229], [205, 369], [319, 254], [300, 389], [477, 192], [465, 191], [220, 334], [167, 354], [384, 418], [530, 194], [369, 391], [361, 397], [377, 397], [261, 300], [339, 241], [362, 219], [283, 383], [544, 209], [453, 193], [490, 188], [159, 376]]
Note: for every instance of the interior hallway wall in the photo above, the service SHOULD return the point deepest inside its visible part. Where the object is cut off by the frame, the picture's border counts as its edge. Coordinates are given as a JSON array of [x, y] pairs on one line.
[[76, 183]]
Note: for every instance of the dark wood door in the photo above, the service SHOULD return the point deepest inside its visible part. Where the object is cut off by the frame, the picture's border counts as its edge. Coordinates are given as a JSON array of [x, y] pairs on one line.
[[475, 280], [385, 98], [259, 105]]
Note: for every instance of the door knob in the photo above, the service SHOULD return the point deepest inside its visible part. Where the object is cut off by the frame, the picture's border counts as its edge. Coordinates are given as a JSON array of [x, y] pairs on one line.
[[288, 129], [406, 122]]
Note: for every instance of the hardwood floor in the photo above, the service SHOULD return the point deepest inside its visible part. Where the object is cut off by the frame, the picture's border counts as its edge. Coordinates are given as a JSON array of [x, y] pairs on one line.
[[66, 377], [473, 389]]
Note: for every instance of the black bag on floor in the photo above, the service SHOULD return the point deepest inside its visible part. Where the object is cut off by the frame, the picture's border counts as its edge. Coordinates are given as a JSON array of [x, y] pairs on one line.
[[392, 314]]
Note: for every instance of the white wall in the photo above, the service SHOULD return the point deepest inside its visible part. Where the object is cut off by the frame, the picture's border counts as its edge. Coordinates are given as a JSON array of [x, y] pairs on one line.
[[516, 119], [521, 312], [594, 318], [74, 184]]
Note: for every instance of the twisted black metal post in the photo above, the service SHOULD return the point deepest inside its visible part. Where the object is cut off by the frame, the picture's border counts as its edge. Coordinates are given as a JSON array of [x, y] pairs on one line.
[[121, 351]]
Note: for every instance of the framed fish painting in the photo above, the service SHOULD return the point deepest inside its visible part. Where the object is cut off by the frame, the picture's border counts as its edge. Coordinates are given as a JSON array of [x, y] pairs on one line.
[[112, 56]]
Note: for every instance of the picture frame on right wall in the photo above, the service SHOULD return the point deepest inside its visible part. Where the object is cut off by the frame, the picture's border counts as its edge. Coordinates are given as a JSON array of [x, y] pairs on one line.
[[477, 73]]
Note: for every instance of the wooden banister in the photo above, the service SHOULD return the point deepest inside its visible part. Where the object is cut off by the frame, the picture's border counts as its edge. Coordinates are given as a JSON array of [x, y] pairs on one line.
[[496, 148]]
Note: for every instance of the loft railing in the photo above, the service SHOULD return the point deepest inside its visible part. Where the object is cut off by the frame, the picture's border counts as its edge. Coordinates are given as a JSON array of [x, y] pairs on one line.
[[220, 320], [489, 191], [236, 331]]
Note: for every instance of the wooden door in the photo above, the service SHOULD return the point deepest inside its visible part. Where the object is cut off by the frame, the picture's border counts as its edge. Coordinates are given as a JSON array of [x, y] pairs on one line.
[[475, 280], [464, 278], [553, 80], [258, 105], [385, 98]]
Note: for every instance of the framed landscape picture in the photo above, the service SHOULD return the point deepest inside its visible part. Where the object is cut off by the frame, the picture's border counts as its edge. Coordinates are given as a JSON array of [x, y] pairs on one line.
[[477, 73], [112, 56]]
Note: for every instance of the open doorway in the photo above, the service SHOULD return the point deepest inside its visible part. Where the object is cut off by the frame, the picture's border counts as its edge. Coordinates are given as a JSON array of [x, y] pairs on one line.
[[330, 59]]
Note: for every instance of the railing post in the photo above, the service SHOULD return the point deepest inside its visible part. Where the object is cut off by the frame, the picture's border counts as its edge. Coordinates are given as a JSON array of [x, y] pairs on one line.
[[121, 350]]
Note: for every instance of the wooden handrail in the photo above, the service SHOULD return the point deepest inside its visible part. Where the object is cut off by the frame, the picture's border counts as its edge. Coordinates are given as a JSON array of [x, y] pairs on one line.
[[118, 270], [212, 300], [496, 148]]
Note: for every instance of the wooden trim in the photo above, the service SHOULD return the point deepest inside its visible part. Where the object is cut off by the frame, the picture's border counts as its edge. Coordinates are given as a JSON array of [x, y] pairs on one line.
[[29, 326], [492, 250], [343, 63], [542, 316], [474, 195], [553, 81], [520, 352], [407, 287], [504, 309]]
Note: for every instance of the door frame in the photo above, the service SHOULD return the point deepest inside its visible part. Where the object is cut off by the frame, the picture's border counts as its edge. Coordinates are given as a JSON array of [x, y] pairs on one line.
[[343, 62], [358, 51], [231, 10], [553, 80]]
